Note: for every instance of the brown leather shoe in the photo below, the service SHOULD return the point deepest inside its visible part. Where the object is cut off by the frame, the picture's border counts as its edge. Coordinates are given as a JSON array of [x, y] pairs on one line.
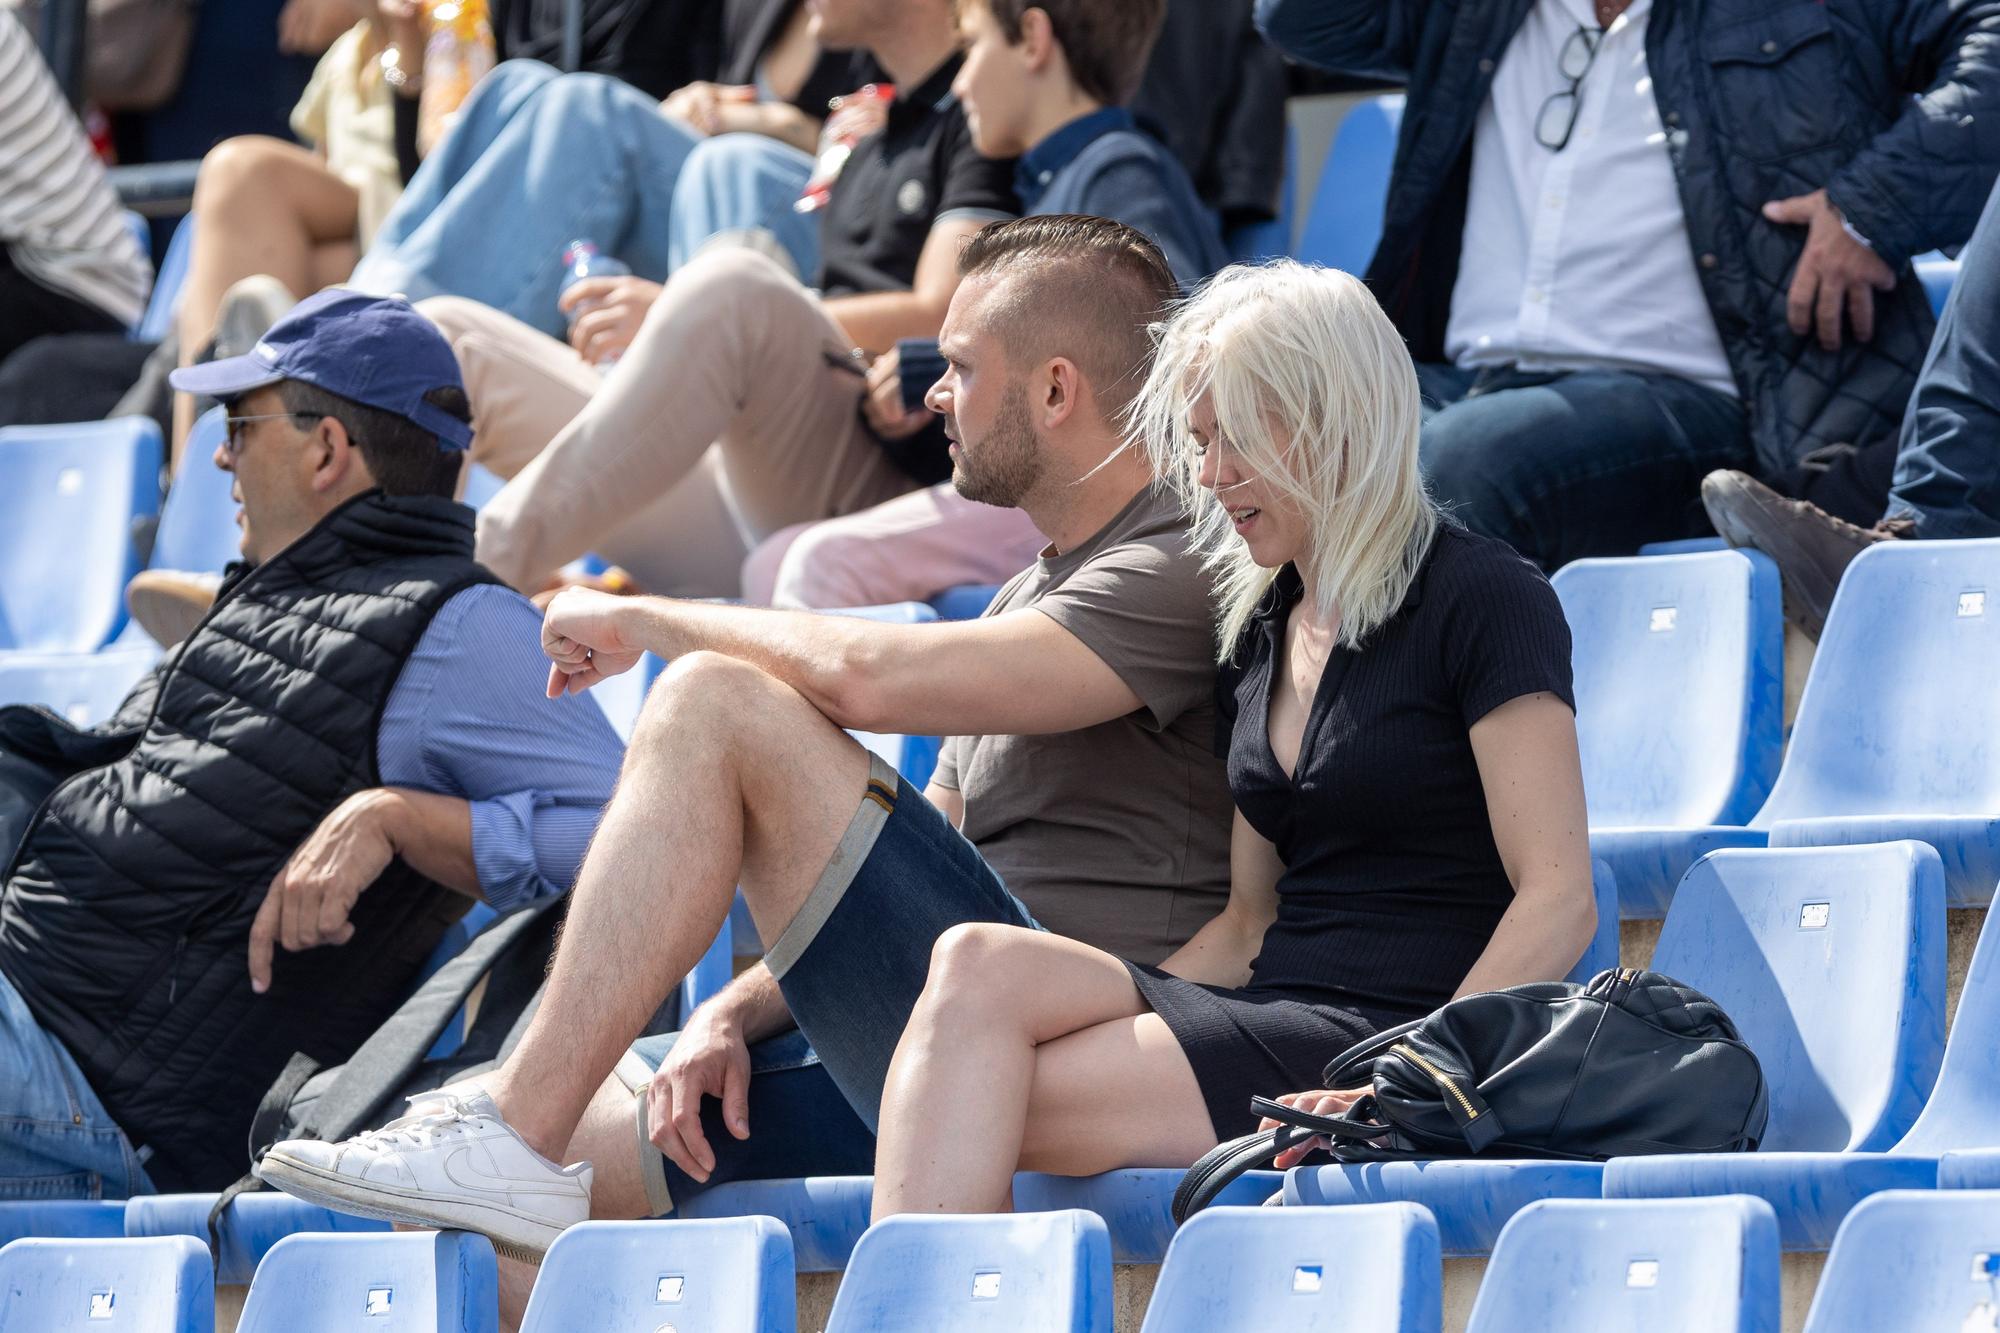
[[1812, 548], [168, 604]]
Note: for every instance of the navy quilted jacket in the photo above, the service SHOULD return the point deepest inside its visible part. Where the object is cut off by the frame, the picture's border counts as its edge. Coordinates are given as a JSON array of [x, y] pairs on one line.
[[1892, 105]]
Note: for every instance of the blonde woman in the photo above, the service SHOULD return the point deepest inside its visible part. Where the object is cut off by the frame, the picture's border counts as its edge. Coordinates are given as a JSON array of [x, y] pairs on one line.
[[1410, 817]]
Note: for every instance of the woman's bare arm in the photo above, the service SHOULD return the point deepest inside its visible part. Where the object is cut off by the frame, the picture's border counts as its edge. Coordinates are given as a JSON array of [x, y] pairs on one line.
[[1221, 952]]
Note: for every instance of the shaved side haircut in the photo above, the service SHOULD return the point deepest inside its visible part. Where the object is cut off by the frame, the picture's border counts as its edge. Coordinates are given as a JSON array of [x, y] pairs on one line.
[[1086, 289]]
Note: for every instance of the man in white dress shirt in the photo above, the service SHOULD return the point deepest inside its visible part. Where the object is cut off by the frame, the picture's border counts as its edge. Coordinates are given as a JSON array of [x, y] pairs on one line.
[[1632, 241]]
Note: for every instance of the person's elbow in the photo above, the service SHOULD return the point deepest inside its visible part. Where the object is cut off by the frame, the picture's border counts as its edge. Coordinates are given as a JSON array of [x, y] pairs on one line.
[[1565, 916], [856, 689]]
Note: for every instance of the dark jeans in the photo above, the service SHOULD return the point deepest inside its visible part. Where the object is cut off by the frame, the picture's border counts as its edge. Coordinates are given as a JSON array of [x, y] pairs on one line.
[[1565, 464], [28, 310], [1947, 478]]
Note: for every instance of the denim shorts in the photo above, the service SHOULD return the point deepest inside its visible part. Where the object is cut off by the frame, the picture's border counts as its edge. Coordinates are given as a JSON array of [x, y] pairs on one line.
[[851, 964], [56, 1139]]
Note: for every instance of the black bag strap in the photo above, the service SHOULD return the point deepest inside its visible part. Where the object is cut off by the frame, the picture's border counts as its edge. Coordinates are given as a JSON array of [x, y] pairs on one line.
[[1226, 1161]]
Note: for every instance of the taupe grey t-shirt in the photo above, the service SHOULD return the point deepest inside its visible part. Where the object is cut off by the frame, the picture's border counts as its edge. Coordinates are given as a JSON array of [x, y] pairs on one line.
[[1116, 835]]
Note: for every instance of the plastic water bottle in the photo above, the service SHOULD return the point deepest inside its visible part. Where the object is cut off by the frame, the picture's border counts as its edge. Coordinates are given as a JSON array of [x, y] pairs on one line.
[[582, 259], [457, 56]]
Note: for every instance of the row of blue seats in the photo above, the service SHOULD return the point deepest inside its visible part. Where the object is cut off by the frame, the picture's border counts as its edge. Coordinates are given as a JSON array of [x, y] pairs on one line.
[[1903, 1261], [1832, 963]]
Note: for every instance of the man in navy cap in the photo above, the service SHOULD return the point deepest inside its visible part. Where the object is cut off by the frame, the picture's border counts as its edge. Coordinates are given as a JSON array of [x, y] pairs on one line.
[[353, 744]]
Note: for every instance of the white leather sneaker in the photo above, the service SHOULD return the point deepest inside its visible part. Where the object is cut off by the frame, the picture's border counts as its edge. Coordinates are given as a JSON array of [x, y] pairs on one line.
[[455, 1165]]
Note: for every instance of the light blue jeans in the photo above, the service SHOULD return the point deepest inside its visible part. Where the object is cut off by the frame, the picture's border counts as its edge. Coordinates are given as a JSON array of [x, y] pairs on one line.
[[56, 1140], [538, 159]]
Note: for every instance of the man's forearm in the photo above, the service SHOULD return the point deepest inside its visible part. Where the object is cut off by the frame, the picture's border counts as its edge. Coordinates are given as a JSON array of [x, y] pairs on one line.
[[433, 833], [874, 321], [752, 1004], [820, 656]]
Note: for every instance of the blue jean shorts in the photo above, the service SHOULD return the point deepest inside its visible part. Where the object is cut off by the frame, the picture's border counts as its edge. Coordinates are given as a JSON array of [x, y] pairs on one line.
[[56, 1139], [851, 964]]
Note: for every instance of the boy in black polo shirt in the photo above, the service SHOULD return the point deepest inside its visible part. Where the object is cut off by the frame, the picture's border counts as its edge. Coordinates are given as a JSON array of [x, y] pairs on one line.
[[736, 353]]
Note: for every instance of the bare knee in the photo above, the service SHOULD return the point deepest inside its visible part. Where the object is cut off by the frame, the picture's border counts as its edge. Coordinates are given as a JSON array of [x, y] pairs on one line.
[[233, 167], [455, 316], [977, 969], [732, 276]]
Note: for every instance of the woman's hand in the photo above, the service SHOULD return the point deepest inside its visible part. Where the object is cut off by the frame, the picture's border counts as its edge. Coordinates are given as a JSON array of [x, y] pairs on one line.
[[709, 108], [1321, 1101]]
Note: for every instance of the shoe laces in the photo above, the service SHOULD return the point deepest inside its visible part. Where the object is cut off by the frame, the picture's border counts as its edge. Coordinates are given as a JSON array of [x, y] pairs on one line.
[[419, 1129]]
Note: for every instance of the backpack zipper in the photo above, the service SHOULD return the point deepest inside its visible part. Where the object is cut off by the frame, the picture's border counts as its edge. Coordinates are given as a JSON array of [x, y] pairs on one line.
[[1458, 1095]]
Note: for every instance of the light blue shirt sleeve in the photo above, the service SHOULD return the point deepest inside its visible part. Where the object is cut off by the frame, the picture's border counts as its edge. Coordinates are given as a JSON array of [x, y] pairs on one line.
[[468, 718]]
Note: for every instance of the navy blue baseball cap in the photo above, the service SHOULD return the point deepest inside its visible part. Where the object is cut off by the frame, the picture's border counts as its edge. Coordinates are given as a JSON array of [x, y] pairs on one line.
[[374, 350]]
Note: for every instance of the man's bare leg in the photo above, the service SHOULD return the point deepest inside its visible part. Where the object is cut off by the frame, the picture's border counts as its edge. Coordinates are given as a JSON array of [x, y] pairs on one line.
[[731, 778]]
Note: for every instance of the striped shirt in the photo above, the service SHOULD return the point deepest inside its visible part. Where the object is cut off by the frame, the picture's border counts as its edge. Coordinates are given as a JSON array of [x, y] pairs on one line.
[[59, 219]]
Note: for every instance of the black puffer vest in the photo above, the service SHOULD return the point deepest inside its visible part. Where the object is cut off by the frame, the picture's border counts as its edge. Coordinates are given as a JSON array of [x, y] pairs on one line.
[[125, 915]]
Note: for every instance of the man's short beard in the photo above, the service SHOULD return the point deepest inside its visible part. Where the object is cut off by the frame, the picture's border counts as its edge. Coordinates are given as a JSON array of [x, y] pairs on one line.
[[1009, 462]]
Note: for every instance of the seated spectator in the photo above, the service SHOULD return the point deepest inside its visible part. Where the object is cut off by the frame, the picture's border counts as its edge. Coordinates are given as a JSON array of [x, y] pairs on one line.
[[1045, 83], [736, 354], [1947, 468], [301, 216], [67, 262], [1080, 788], [564, 157], [286, 781], [1627, 252], [1430, 843]]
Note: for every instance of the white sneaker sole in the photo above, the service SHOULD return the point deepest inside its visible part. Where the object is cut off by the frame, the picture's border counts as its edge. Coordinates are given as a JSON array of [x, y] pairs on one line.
[[515, 1234]]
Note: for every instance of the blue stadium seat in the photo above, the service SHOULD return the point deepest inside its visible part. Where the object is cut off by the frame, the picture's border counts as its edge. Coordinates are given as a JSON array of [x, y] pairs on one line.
[[84, 688], [1602, 952], [1684, 546], [164, 304], [1910, 1261], [394, 1282], [1680, 702], [1371, 1269], [251, 1225], [1969, 1168], [1004, 1273], [1345, 222], [965, 603], [1136, 1205], [727, 1276], [825, 1214], [480, 486], [1850, 1038], [1581, 1266], [1894, 735], [68, 498], [117, 1286], [62, 1218], [622, 696], [1937, 272], [1844, 1008]]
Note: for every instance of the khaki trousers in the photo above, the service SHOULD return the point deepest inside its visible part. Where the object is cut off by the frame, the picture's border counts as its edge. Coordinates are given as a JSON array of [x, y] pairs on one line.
[[733, 414]]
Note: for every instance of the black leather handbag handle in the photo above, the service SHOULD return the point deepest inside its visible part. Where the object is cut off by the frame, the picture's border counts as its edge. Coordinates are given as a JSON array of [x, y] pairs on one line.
[[1226, 1161]]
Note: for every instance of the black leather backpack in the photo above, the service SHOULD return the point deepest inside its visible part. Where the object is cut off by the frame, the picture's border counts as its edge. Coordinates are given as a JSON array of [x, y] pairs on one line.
[[1633, 1063]]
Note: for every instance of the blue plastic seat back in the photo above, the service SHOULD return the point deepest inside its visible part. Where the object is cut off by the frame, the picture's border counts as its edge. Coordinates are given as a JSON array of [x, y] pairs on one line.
[[1830, 960], [1136, 1203], [1585, 1265], [729, 1275], [198, 532], [1679, 685], [249, 1227], [160, 1285], [68, 496], [1938, 272], [1345, 223], [968, 602], [1963, 1110], [1371, 1268], [388, 1282], [993, 1273], [61, 1219], [826, 1215], [1900, 711], [82, 688], [480, 486], [1909, 1261], [164, 304]]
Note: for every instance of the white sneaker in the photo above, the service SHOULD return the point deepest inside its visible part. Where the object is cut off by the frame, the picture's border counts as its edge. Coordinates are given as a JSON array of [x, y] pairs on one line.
[[459, 1166]]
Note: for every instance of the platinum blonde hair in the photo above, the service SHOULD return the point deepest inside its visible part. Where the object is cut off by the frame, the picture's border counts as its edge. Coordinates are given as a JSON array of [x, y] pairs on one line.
[[1315, 395]]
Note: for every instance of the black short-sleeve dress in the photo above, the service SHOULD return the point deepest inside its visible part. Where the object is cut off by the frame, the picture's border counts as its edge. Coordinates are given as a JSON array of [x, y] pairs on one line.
[[1392, 884]]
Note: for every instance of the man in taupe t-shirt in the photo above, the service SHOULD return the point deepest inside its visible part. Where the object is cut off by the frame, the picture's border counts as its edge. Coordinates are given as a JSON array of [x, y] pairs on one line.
[[1081, 779]]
